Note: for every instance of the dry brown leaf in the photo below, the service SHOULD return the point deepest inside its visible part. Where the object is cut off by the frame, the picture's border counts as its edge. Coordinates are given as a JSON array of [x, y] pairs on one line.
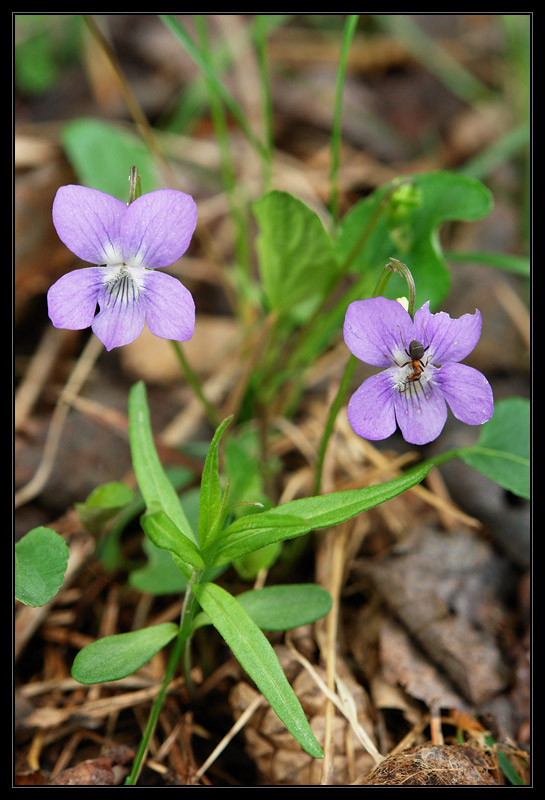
[[443, 588]]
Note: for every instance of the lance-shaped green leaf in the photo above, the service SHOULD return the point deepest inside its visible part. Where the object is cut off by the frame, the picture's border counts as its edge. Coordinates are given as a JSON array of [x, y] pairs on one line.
[[303, 516], [162, 531], [115, 657], [256, 655], [210, 496], [154, 484], [41, 558]]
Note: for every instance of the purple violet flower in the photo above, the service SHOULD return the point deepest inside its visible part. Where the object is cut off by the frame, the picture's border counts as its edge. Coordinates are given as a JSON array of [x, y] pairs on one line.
[[129, 242], [422, 371]]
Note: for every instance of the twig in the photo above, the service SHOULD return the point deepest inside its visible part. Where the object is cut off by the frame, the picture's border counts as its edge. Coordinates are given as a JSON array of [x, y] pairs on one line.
[[73, 385]]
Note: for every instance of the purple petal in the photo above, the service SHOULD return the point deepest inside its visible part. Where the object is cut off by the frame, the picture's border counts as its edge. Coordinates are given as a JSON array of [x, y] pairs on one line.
[[88, 223], [371, 408], [373, 330], [421, 412], [157, 228], [72, 300], [450, 339], [120, 320], [170, 310], [467, 392]]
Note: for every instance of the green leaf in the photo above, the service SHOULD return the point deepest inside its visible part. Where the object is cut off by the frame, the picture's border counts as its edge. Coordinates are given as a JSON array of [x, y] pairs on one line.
[[519, 265], [502, 451], [102, 155], [41, 558], [257, 657], [115, 657], [299, 517], [282, 608], [162, 531], [296, 259], [250, 565], [103, 504], [154, 484], [392, 223], [210, 496]]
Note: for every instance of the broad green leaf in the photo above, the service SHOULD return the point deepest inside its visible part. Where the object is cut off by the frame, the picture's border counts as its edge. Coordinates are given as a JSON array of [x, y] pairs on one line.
[[257, 657], [154, 484], [115, 657], [281, 608], [103, 503], [296, 258], [393, 223], [161, 530], [303, 516], [41, 558], [102, 155], [502, 451], [210, 496]]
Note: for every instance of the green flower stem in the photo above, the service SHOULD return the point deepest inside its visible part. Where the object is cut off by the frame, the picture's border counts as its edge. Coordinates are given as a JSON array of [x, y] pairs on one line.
[[299, 340], [399, 266], [332, 416], [181, 644], [195, 385]]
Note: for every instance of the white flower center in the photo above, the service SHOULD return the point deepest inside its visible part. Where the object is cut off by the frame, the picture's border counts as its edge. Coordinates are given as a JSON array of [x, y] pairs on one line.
[[123, 284], [413, 378]]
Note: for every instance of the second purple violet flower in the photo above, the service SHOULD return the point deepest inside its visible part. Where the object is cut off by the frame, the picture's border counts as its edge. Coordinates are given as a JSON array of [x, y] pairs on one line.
[[422, 374]]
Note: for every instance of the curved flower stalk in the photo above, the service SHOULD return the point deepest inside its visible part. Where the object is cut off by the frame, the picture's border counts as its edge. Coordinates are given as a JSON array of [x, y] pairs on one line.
[[422, 372], [128, 243]]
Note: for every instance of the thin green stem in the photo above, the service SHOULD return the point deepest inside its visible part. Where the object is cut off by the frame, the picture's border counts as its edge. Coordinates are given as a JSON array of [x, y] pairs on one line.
[[266, 102], [298, 341], [221, 130], [195, 384], [172, 23], [186, 619], [336, 132], [399, 266], [330, 422]]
